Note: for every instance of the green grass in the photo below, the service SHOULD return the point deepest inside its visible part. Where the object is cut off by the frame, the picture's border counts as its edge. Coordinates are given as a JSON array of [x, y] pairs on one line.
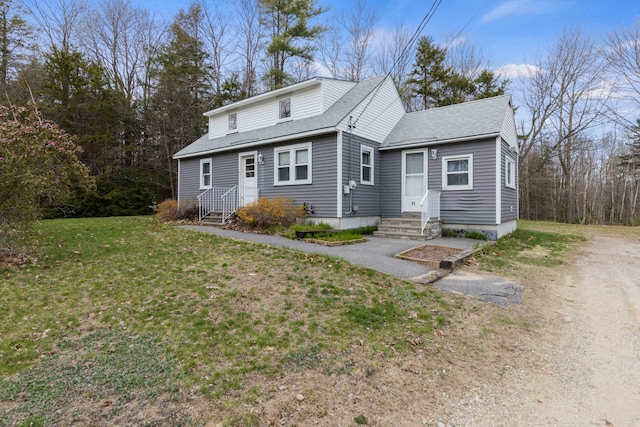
[[529, 245], [144, 310]]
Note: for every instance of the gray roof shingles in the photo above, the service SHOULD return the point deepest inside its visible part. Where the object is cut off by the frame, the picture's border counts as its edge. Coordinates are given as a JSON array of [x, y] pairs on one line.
[[480, 118], [328, 120]]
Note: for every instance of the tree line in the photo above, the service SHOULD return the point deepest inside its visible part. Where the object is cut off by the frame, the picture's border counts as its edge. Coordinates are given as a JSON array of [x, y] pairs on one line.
[[132, 89]]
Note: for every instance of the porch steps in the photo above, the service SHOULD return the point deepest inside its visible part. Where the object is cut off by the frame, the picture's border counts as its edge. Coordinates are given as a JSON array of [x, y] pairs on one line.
[[212, 218], [408, 228]]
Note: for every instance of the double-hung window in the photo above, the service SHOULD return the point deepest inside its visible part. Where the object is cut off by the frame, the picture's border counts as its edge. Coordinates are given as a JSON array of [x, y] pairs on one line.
[[292, 164], [457, 172], [205, 174], [509, 172], [366, 165]]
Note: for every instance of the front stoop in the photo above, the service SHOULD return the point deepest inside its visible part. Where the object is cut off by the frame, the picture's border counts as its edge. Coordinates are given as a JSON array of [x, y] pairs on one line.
[[408, 228], [212, 218]]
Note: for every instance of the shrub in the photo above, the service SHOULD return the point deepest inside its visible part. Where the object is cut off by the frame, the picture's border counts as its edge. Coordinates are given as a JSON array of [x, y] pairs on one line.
[[168, 210], [265, 213]]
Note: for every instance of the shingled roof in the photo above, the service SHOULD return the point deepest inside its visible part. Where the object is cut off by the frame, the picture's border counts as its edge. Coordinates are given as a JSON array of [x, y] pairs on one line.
[[328, 121], [478, 119]]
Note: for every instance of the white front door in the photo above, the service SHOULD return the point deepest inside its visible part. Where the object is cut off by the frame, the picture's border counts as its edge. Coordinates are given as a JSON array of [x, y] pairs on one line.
[[248, 179], [414, 179]]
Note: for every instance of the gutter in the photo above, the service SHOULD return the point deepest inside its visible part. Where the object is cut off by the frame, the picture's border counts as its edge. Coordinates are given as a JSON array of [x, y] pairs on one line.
[[257, 142], [423, 143]]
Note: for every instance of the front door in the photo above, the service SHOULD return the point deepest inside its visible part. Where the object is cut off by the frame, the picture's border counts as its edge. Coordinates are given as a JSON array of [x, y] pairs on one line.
[[414, 179], [248, 179]]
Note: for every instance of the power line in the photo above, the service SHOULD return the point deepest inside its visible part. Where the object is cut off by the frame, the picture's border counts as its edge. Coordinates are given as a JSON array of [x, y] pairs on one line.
[[425, 20]]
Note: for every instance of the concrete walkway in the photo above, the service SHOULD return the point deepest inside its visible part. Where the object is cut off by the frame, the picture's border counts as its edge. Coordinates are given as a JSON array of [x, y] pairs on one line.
[[377, 253]]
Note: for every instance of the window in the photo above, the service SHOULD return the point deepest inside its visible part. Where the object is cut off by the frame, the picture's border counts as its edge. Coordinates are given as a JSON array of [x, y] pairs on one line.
[[292, 165], [233, 121], [284, 108], [205, 174], [366, 165], [509, 172], [457, 172]]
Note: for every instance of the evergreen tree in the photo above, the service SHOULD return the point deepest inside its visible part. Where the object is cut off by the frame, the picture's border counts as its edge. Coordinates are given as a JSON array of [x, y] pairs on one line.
[[435, 84], [15, 34], [487, 85], [291, 35], [430, 75], [77, 96], [180, 95]]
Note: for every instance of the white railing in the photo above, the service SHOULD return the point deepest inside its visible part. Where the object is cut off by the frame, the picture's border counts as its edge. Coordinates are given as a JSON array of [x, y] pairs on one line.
[[220, 199], [430, 207], [229, 203]]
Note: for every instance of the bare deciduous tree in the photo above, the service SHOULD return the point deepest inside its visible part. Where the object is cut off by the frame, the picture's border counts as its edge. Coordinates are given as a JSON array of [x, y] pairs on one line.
[[623, 56], [565, 98], [59, 20], [250, 36]]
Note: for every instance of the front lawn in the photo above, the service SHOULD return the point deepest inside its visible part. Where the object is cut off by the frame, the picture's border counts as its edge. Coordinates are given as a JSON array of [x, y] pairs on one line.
[[129, 321]]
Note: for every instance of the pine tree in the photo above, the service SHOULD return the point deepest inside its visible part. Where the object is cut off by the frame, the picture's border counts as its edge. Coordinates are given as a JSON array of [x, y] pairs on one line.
[[430, 74], [291, 35]]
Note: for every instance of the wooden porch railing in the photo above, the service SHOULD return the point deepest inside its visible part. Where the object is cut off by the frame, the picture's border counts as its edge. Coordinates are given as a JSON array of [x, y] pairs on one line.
[[430, 207], [221, 199]]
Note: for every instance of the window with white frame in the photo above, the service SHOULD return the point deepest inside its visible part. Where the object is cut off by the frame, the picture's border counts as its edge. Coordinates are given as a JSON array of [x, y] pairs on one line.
[[457, 172], [233, 122], [284, 108], [205, 174], [509, 173], [366, 165], [292, 164]]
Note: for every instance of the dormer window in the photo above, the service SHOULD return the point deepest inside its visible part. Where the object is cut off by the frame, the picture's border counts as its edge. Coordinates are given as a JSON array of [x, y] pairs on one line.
[[233, 122], [284, 108]]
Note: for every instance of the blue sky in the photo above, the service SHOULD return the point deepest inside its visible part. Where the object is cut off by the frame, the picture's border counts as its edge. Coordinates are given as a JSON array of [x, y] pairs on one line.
[[506, 31]]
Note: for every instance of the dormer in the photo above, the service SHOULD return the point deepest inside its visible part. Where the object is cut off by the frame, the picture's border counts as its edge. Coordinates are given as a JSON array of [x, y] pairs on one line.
[[306, 99]]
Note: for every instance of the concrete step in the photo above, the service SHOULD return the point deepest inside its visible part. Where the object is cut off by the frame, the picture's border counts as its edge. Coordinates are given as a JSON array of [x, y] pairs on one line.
[[401, 235], [212, 218]]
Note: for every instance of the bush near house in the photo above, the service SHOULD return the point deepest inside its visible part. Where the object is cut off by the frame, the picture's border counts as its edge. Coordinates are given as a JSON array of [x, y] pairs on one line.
[[265, 213], [169, 210]]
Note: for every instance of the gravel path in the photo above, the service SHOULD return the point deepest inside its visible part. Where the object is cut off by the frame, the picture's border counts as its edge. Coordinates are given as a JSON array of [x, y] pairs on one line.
[[584, 367]]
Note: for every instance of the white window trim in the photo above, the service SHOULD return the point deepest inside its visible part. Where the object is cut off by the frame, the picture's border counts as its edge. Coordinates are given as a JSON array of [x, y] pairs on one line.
[[363, 149], [446, 159], [509, 176], [286, 119], [202, 186], [292, 165]]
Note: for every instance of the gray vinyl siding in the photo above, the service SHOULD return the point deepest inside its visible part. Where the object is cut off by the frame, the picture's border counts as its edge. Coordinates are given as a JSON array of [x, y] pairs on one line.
[[391, 183], [477, 206], [509, 195], [365, 197], [224, 173], [189, 179], [321, 193]]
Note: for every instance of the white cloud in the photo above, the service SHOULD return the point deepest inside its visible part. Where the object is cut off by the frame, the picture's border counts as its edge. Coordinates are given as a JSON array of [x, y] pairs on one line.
[[522, 7], [517, 71]]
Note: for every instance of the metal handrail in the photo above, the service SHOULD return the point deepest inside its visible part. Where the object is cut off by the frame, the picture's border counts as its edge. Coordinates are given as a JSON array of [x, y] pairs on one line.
[[430, 208], [218, 199]]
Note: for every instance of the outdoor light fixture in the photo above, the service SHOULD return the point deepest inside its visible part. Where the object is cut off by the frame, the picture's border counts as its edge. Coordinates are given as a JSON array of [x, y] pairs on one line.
[[434, 153], [260, 159]]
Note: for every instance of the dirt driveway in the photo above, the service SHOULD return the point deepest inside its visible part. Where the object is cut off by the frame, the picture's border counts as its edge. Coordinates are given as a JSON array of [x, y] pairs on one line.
[[579, 364]]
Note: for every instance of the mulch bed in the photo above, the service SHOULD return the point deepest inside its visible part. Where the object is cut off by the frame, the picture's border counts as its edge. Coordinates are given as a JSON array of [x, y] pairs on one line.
[[429, 255]]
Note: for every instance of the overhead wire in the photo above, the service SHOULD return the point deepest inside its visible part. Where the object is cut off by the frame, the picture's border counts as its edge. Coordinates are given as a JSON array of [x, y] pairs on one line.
[[405, 51]]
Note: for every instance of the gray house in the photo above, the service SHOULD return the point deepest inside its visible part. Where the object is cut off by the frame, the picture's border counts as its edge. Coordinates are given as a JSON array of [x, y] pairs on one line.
[[353, 155]]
